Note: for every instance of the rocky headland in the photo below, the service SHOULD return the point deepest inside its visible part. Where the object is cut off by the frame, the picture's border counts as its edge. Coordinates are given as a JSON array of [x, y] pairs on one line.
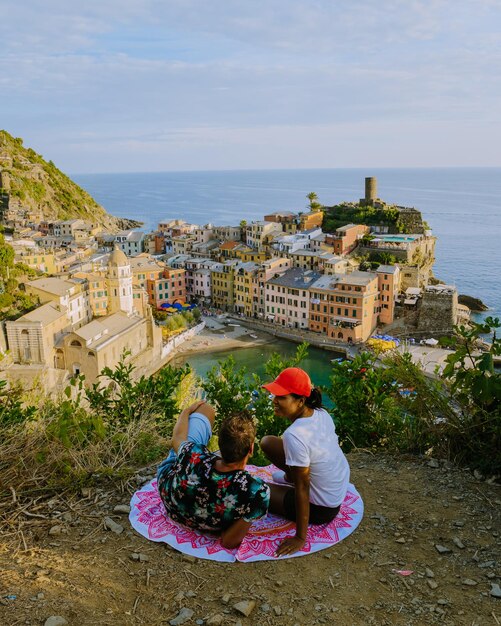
[[30, 185]]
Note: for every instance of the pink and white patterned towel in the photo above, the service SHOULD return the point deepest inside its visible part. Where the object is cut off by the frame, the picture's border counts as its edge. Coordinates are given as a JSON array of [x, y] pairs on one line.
[[149, 518]]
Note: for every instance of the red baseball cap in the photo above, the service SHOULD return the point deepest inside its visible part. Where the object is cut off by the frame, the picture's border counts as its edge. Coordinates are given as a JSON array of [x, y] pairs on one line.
[[291, 380]]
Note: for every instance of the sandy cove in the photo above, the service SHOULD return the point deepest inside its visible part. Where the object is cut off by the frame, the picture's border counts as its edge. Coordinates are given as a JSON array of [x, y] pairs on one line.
[[217, 337]]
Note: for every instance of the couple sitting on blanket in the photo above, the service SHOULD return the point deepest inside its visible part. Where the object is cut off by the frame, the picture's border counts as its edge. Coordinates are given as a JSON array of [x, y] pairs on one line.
[[215, 493]]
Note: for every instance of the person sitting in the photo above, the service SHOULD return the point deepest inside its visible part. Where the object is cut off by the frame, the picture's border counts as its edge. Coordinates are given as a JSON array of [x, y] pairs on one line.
[[314, 472], [209, 492]]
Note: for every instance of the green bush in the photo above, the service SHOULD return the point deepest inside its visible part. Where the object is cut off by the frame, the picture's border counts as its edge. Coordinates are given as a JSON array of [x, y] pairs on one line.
[[13, 409]]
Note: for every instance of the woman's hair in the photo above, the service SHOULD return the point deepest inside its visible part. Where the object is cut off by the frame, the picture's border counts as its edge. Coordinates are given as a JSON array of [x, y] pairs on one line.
[[236, 436], [314, 400]]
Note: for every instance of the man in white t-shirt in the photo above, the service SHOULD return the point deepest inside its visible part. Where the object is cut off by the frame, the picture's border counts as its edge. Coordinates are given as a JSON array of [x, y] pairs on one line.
[[314, 472]]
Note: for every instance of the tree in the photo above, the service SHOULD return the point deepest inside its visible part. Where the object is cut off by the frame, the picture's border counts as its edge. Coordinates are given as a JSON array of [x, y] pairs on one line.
[[6, 257], [314, 205]]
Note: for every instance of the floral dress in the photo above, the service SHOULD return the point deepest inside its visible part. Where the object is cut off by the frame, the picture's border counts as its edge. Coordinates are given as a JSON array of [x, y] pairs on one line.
[[197, 495]]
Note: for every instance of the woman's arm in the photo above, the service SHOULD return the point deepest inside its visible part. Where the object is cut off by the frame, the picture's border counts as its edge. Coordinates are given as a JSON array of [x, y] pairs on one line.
[[301, 478]]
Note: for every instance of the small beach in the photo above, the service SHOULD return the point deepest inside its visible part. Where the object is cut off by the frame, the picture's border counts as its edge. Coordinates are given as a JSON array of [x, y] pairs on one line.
[[219, 337]]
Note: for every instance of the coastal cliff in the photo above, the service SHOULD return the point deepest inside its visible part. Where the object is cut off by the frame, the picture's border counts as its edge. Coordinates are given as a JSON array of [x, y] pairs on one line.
[[30, 185]]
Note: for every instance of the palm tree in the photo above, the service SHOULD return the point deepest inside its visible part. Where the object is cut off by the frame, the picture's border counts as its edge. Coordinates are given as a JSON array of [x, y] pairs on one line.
[[314, 204]]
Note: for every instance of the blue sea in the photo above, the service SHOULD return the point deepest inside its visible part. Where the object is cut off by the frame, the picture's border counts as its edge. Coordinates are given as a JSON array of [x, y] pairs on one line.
[[461, 205]]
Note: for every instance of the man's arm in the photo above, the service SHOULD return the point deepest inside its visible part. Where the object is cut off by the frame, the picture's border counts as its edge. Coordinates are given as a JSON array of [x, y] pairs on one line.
[[180, 432], [232, 537]]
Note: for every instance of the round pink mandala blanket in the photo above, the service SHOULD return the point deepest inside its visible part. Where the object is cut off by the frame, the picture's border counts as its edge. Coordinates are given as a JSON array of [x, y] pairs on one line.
[[149, 518]]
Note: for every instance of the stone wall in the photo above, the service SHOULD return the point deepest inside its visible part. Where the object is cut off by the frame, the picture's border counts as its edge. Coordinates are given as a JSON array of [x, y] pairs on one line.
[[412, 220], [438, 313]]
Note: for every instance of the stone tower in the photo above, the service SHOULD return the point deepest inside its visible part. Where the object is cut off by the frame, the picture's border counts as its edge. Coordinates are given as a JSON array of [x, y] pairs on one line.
[[119, 281], [370, 191]]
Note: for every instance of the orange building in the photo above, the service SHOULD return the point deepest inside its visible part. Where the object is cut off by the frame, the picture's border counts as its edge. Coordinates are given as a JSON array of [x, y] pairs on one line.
[[345, 239], [169, 285], [389, 287], [345, 306]]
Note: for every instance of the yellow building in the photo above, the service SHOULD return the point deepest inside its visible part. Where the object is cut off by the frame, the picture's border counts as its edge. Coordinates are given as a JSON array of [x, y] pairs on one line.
[[222, 284], [98, 292], [102, 343], [71, 295], [32, 337], [246, 289], [38, 259]]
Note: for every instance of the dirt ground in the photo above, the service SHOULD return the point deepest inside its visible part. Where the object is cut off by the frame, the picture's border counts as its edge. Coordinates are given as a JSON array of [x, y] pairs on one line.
[[87, 575]]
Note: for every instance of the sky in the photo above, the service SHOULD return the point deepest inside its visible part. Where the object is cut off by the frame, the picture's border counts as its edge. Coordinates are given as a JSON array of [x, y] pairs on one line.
[[161, 85]]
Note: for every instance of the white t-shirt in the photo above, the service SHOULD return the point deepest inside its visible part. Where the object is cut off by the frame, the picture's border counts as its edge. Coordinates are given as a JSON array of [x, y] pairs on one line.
[[312, 442]]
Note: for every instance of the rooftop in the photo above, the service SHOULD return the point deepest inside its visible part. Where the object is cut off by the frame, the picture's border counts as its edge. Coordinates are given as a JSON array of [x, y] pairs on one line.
[[354, 278], [99, 331], [296, 278], [387, 269], [46, 314], [55, 286]]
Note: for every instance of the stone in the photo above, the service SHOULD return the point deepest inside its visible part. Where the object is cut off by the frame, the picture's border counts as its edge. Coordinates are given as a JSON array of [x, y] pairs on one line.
[[265, 608], [55, 620], [432, 584], [442, 549], [429, 573], [182, 617], [478, 475], [245, 607], [139, 556], [122, 508], [469, 582], [495, 590], [110, 524], [277, 610], [56, 530], [487, 564], [433, 463], [215, 620], [226, 598], [458, 543], [400, 540]]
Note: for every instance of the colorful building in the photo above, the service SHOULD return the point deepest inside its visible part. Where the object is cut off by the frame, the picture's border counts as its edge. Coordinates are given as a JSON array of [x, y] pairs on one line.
[[345, 239], [287, 297], [345, 306], [389, 288]]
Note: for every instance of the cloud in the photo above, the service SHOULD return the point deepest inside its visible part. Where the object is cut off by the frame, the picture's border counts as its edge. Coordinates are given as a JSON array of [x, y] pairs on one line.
[[171, 70]]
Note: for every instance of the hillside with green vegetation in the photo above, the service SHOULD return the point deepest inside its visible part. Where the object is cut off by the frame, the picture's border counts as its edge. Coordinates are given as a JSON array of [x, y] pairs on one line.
[[397, 219], [29, 183], [13, 301]]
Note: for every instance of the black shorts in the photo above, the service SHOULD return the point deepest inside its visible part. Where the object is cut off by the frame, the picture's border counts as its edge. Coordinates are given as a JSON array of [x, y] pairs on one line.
[[318, 514]]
